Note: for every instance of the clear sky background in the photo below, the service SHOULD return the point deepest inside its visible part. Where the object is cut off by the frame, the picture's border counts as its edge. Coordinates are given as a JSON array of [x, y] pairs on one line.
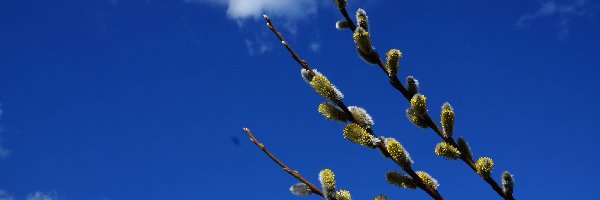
[[119, 100]]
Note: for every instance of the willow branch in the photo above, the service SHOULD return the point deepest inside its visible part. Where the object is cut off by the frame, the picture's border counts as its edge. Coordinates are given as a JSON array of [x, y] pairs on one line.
[[292, 172], [431, 191], [397, 84]]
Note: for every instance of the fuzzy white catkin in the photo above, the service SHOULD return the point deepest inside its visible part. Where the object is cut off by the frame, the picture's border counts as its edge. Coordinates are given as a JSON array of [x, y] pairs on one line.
[[361, 116], [300, 189]]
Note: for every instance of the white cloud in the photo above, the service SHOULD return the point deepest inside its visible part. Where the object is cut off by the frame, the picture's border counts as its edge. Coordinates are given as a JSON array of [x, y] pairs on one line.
[[41, 196], [242, 9], [5, 196], [259, 40], [290, 16], [563, 12]]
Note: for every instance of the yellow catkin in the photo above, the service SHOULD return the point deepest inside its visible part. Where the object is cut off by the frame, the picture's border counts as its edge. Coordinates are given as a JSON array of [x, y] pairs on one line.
[[358, 135], [324, 88], [428, 180], [447, 151], [419, 104], [327, 179], [398, 153], [343, 195], [363, 40], [331, 112], [393, 61], [381, 197], [447, 119], [484, 166], [415, 118]]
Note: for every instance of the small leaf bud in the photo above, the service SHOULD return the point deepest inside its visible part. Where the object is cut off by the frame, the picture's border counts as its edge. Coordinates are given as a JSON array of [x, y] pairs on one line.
[[508, 182], [340, 4], [464, 148], [412, 85], [342, 24], [381, 197]]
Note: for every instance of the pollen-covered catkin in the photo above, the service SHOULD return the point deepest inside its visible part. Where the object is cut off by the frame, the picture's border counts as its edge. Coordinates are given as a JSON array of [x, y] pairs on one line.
[[428, 180], [362, 39], [447, 151], [419, 104], [327, 179], [343, 195], [398, 153], [393, 61], [331, 112], [358, 135], [416, 119], [324, 88], [484, 166], [447, 119]]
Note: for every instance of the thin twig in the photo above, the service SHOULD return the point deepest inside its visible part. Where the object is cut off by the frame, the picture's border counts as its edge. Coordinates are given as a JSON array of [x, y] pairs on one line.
[[294, 173], [397, 84], [431, 191]]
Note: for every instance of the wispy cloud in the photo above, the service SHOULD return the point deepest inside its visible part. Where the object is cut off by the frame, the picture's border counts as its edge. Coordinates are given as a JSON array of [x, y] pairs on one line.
[[32, 196], [315, 46], [4, 153], [564, 13], [5, 196], [41, 196], [257, 46]]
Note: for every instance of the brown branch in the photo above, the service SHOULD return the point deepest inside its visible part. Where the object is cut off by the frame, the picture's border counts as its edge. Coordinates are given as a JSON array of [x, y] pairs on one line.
[[397, 84], [294, 173], [431, 191]]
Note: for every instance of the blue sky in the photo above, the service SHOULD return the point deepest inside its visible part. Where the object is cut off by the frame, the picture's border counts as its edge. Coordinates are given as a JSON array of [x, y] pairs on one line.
[[115, 99]]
